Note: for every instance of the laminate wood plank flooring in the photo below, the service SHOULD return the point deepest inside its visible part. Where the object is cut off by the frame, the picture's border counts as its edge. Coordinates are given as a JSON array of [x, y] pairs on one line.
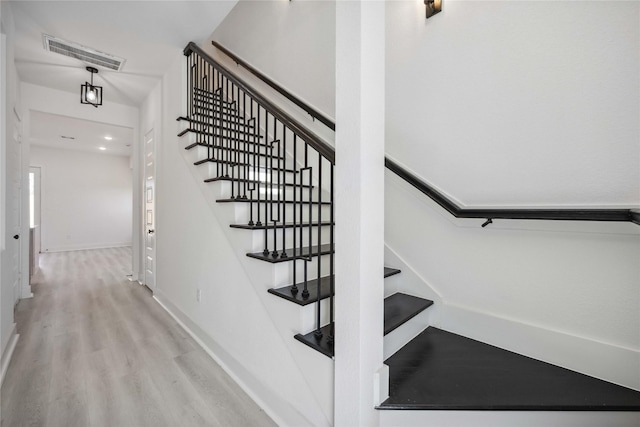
[[96, 350]]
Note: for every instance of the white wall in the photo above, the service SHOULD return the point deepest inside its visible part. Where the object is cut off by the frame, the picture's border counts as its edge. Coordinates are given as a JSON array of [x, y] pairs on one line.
[[10, 99], [293, 43], [86, 199], [518, 103]]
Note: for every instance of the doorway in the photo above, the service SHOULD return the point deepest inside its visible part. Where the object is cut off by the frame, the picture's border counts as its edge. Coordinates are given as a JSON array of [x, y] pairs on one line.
[[34, 218]]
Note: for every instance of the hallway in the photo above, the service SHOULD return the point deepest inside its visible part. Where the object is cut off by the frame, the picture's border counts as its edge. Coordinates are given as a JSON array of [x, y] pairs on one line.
[[97, 350]]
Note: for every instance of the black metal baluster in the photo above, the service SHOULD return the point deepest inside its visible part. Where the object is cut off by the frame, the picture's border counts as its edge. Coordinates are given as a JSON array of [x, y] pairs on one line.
[[198, 126], [189, 92], [226, 140], [294, 287], [208, 139], [236, 154], [217, 136], [246, 151], [305, 290], [318, 332], [274, 254], [282, 189], [252, 185], [331, 258], [256, 173], [266, 196]]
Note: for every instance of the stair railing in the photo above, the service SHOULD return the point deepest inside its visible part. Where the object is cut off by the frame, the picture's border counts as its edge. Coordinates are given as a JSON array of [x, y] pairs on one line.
[[281, 169]]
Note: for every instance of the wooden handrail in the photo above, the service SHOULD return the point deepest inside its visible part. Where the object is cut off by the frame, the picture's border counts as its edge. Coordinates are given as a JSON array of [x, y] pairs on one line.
[[489, 214]]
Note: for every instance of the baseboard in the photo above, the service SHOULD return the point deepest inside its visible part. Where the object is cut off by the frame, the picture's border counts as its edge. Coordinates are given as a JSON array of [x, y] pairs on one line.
[[86, 247], [509, 419], [281, 412], [598, 359], [8, 352]]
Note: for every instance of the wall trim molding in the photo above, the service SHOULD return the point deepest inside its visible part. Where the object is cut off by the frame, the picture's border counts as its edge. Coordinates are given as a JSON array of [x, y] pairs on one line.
[[606, 361], [8, 352], [275, 407]]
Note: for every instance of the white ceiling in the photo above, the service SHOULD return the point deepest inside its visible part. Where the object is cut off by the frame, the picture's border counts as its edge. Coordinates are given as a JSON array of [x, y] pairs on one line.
[[47, 130], [148, 34]]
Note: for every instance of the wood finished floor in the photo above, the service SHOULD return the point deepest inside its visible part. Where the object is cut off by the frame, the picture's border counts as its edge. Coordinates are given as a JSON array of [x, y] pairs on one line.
[[97, 350]]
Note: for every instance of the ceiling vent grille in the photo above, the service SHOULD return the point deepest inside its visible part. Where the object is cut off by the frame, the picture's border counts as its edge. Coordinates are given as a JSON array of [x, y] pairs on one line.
[[86, 54]]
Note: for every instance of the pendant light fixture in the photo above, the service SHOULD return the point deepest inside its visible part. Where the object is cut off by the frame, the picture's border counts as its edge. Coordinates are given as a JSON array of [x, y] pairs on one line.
[[89, 93]]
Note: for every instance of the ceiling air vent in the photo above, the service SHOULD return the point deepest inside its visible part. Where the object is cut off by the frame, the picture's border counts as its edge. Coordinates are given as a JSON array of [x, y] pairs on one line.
[[86, 54]]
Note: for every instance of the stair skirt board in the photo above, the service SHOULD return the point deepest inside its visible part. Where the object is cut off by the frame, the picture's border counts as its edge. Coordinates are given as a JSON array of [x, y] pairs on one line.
[[7, 355], [439, 370]]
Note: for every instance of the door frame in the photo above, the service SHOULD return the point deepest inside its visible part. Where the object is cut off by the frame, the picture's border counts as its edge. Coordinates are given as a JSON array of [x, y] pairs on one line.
[[143, 210]]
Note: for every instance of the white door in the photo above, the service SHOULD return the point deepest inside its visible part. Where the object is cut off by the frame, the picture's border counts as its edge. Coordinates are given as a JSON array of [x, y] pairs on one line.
[[149, 211], [14, 239], [34, 206]]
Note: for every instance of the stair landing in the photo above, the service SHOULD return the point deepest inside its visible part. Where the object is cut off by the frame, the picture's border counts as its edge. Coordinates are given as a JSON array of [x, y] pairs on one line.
[[444, 371]]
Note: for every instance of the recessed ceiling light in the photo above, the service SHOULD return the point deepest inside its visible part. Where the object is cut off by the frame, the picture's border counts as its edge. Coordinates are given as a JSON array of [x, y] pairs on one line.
[[108, 138], [102, 148]]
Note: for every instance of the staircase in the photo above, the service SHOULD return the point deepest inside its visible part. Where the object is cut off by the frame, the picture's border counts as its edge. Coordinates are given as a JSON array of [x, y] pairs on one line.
[[279, 177], [273, 166]]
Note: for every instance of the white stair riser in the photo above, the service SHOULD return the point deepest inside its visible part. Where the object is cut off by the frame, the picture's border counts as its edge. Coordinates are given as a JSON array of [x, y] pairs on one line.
[[400, 336], [308, 315], [243, 213], [259, 238]]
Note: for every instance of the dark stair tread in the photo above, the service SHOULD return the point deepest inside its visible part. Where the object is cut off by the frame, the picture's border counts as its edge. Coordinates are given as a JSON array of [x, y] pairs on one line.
[[217, 135], [198, 102], [255, 181], [388, 271], [400, 308], [207, 123], [277, 226], [322, 344], [241, 164], [312, 286], [444, 371], [275, 201], [225, 137], [236, 150], [217, 109], [239, 118], [299, 253], [325, 291], [226, 114]]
